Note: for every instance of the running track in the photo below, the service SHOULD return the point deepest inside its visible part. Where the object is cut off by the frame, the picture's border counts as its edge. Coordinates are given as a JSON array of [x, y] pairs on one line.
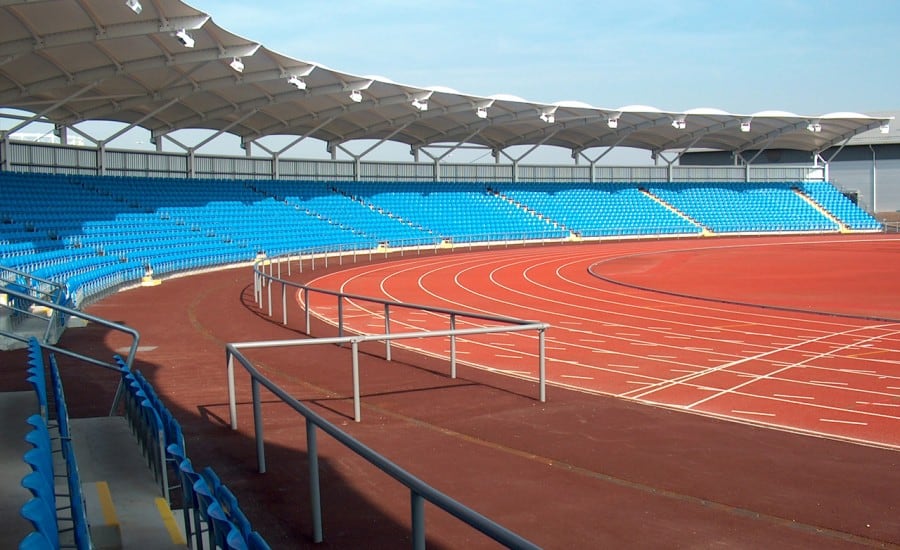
[[829, 376]]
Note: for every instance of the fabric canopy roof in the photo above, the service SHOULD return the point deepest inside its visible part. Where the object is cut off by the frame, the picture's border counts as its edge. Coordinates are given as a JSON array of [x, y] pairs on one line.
[[78, 60]]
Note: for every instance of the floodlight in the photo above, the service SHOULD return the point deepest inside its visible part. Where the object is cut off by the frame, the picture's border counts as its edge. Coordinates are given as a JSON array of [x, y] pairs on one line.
[[481, 112], [420, 104], [885, 128], [237, 64], [296, 82], [745, 125], [184, 38], [548, 115], [135, 6], [355, 96], [612, 122], [679, 124], [814, 127]]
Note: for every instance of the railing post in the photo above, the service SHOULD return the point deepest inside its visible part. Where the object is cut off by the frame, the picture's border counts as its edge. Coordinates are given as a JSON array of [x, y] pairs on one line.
[[232, 402], [542, 365], [269, 292], [356, 407], [315, 497], [279, 267], [417, 505], [453, 346], [289, 265], [387, 331], [284, 311], [340, 254], [340, 306], [306, 303], [300, 262], [258, 426]]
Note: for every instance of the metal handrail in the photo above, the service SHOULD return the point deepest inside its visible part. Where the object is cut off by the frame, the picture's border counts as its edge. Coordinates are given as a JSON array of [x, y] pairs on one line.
[[60, 309], [262, 279], [419, 490]]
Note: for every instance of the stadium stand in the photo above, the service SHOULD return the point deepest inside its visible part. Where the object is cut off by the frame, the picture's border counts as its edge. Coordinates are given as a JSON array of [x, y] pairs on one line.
[[159, 436], [94, 234]]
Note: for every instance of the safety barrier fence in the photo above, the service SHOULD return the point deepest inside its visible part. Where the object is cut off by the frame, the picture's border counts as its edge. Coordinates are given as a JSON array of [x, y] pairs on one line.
[[420, 492], [265, 281], [60, 311]]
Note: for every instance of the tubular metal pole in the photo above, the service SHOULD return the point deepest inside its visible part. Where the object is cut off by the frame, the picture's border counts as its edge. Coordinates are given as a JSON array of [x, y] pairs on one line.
[[269, 291], [452, 346], [306, 303], [315, 496], [356, 408], [340, 255], [417, 504], [279, 267], [300, 262], [289, 265], [542, 367], [258, 426], [387, 330], [284, 303], [232, 402], [325, 254], [340, 316]]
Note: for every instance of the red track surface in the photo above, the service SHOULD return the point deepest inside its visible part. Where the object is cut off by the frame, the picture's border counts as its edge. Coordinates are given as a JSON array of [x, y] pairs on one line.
[[828, 375]]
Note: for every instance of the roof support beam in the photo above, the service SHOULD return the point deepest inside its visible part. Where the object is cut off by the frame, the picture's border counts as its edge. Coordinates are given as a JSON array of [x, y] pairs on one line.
[[56, 105], [140, 120], [224, 130], [99, 74], [12, 50]]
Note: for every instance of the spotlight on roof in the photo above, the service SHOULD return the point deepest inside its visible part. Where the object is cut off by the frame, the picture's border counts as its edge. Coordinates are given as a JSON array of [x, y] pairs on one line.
[[186, 40], [355, 96], [745, 125], [237, 64], [420, 104], [296, 82], [549, 115], [814, 127], [885, 128], [612, 122], [481, 112], [135, 6], [679, 124]]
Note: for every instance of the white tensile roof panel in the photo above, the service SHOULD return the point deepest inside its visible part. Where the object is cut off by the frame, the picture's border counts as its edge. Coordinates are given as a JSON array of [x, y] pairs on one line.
[[73, 61]]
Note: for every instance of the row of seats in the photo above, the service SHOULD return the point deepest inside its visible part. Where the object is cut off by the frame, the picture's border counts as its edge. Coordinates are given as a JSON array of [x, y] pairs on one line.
[[209, 507], [169, 225], [42, 510]]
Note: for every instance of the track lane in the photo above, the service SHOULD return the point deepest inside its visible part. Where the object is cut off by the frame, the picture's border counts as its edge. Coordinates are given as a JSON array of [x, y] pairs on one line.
[[772, 368]]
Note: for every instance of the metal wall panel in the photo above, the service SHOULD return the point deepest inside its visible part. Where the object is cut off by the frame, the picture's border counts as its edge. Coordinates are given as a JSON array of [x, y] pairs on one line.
[[708, 173], [476, 172], [316, 170], [630, 173], [554, 173]]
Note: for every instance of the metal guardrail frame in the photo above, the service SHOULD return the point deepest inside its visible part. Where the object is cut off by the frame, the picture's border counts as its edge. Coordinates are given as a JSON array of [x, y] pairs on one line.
[[262, 280], [66, 311], [419, 490]]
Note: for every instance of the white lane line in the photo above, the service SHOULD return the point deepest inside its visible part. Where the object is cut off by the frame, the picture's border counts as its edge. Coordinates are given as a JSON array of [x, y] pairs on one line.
[[623, 366], [662, 356], [664, 329], [632, 334], [578, 377], [675, 337], [876, 404], [502, 344], [591, 340], [786, 396], [447, 351], [637, 382], [754, 413], [555, 348], [573, 323], [699, 349], [828, 383], [854, 371], [645, 344], [507, 356], [709, 330], [685, 371], [683, 379], [834, 421], [522, 372]]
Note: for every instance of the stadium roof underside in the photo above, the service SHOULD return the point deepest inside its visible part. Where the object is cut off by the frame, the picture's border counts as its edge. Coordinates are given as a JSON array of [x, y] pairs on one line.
[[166, 66]]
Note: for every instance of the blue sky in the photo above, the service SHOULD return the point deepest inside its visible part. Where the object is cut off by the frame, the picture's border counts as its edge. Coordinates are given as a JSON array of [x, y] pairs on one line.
[[805, 56]]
